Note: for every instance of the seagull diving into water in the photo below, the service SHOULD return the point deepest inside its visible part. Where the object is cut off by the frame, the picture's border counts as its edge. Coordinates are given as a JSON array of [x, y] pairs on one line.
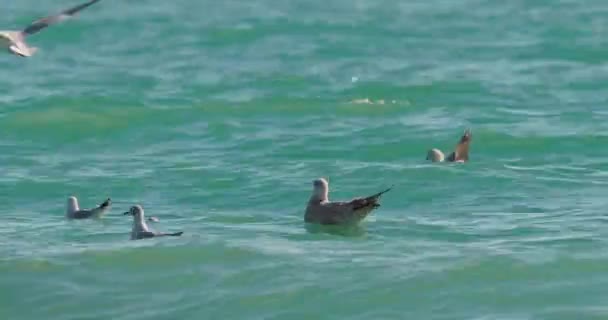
[[140, 228], [322, 211], [14, 41]]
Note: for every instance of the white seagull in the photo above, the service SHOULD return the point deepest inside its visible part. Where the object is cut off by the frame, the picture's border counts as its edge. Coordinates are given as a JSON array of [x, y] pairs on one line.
[[140, 228], [14, 41], [73, 211]]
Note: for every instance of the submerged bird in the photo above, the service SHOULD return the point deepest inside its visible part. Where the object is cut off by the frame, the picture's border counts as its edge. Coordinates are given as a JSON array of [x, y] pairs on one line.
[[73, 211], [320, 210], [140, 228], [460, 154], [14, 41]]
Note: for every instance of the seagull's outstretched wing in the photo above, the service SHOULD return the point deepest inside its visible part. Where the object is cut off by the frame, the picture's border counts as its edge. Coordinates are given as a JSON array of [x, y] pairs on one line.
[[151, 234], [50, 20], [461, 153], [175, 234]]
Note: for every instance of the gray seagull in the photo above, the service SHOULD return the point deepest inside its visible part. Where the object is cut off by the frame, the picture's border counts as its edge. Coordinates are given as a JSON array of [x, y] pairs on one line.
[[73, 210], [322, 211], [140, 228], [14, 41]]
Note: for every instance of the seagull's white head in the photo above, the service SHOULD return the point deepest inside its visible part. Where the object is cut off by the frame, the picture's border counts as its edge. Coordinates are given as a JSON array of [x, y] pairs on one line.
[[72, 204], [136, 211], [435, 155], [320, 189]]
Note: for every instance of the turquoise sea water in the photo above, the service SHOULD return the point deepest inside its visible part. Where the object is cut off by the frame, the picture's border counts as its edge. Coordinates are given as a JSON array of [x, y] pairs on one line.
[[217, 115]]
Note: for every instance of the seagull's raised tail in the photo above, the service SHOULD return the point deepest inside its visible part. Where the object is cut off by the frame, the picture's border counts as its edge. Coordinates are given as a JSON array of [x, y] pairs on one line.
[[371, 201]]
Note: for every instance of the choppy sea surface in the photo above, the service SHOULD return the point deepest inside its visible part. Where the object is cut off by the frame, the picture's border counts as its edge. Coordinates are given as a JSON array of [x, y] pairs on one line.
[[217, 115]]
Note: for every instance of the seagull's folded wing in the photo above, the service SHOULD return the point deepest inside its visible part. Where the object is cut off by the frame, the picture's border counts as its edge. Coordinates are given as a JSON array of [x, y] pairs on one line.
[[83, 214], [334, 212]]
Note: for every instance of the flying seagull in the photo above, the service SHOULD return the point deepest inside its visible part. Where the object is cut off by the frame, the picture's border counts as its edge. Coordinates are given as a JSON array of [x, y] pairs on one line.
[[14, 41], [322, 211]]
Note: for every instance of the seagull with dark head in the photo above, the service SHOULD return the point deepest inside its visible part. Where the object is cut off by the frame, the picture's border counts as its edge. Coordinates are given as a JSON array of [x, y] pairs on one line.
[[322, 211], [140, 227], [14, 41]]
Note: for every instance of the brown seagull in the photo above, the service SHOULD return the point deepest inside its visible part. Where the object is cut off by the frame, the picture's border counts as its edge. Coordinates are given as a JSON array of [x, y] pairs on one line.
[[14, 41], [460, 154], [322, 211]]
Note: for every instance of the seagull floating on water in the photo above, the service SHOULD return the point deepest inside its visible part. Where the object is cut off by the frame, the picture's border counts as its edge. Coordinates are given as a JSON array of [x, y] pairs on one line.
[[460, 154], [14, 41], [140, 228], [320, 210], [74, 212]]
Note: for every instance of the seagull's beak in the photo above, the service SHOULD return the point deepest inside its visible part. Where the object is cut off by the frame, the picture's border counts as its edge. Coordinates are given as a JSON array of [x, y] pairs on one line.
[[126, 213]]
